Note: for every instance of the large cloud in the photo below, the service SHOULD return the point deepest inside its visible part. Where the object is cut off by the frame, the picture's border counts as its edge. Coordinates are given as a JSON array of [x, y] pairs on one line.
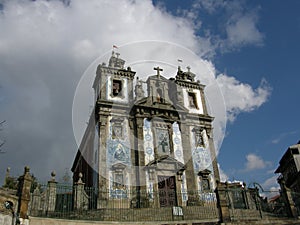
[[241, 97], [255, 162], [45, 46]]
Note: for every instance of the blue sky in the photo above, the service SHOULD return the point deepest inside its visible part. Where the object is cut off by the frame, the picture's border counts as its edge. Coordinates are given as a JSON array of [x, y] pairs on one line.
[[45, 46], [267, 131]]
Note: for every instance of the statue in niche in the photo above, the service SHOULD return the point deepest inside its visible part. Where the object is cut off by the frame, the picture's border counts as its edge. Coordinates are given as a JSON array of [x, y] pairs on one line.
[[139, 92], [192, 100], [179, 95], [159, 95]]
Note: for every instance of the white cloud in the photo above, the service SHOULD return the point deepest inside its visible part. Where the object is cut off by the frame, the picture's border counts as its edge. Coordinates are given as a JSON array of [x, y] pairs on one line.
[[243, 31], [282, 136], [46, 45], [271, 184], [255, 162], [238, 27], [241, 97]]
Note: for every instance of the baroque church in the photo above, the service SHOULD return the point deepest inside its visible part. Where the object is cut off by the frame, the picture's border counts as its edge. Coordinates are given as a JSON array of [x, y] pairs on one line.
[[148, 139]]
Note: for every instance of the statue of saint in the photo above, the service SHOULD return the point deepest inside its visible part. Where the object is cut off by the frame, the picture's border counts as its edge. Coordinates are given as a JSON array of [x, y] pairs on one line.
[[139, 92]]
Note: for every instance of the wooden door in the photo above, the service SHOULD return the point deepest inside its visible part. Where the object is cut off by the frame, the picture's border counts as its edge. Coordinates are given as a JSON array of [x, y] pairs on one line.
[[167, 191]]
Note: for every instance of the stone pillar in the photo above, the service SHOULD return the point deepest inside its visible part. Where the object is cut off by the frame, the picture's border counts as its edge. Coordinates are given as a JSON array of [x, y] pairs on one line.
[[24, 193], [51, 194], [35, 201], [80, 197], [288, 199], [102, 167], [209, 133], [223, 202]]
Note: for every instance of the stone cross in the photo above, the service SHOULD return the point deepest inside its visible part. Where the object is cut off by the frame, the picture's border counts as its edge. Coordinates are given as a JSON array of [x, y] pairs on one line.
[[158, 69]]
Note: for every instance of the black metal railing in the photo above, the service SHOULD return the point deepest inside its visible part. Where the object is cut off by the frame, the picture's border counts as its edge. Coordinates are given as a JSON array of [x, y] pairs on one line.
[[122, 205]]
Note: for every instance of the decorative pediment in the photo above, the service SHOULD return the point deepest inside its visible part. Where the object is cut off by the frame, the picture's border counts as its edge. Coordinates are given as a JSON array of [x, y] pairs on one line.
[[118, 167], [166, 163], [204, 173]]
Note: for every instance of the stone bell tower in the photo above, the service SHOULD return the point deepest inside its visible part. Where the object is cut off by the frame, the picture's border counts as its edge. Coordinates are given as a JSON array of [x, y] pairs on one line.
[[113, 87]]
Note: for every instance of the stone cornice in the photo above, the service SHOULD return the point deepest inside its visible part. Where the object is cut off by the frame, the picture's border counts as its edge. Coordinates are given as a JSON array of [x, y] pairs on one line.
[[189, 84], [115, 71]]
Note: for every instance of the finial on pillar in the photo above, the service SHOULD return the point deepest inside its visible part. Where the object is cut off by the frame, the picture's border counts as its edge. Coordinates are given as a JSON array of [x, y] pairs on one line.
[[53, 174], [80, 175], [26, 169]]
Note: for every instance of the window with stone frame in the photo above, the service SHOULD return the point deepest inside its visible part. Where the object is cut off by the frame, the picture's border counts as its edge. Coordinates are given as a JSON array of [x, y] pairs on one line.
[[118, 180], [205, 184], [192, 98], [117, 88], [204, 179], [118, 172]]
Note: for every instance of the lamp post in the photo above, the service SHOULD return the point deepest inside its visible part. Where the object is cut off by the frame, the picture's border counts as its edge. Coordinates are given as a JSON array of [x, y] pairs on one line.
[[10, 206]]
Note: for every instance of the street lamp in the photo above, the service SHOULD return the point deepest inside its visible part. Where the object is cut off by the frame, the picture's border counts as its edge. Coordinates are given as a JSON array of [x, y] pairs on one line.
[[10, 206]]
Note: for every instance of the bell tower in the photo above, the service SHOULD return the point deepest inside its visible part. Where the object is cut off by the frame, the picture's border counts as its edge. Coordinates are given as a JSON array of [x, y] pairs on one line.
[[113, 83], [113, 88]]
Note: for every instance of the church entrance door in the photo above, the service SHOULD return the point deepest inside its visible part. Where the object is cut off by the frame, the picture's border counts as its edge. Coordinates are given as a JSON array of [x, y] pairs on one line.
[[167, 191]]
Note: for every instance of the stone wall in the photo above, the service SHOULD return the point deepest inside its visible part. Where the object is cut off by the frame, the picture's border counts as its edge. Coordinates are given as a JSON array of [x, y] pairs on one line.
[[5, 219]]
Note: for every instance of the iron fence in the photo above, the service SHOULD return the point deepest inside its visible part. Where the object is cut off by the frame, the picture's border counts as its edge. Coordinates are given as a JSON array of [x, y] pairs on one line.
[[122, 204]]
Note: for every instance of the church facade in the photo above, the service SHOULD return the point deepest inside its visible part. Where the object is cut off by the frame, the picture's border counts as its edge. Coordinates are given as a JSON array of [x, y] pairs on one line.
[[147, 140]]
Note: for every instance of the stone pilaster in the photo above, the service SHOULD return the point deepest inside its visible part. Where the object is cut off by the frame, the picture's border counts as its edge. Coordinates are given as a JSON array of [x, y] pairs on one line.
[[103, 181], [140, 160], [188, 160], [213, 154]]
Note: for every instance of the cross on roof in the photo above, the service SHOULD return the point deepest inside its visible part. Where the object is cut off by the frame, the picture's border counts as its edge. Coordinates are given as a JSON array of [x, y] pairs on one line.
[[158, 69]]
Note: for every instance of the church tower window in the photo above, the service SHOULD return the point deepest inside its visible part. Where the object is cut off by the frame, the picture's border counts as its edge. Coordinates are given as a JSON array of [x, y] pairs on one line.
[[117, 88], [192, 100]]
